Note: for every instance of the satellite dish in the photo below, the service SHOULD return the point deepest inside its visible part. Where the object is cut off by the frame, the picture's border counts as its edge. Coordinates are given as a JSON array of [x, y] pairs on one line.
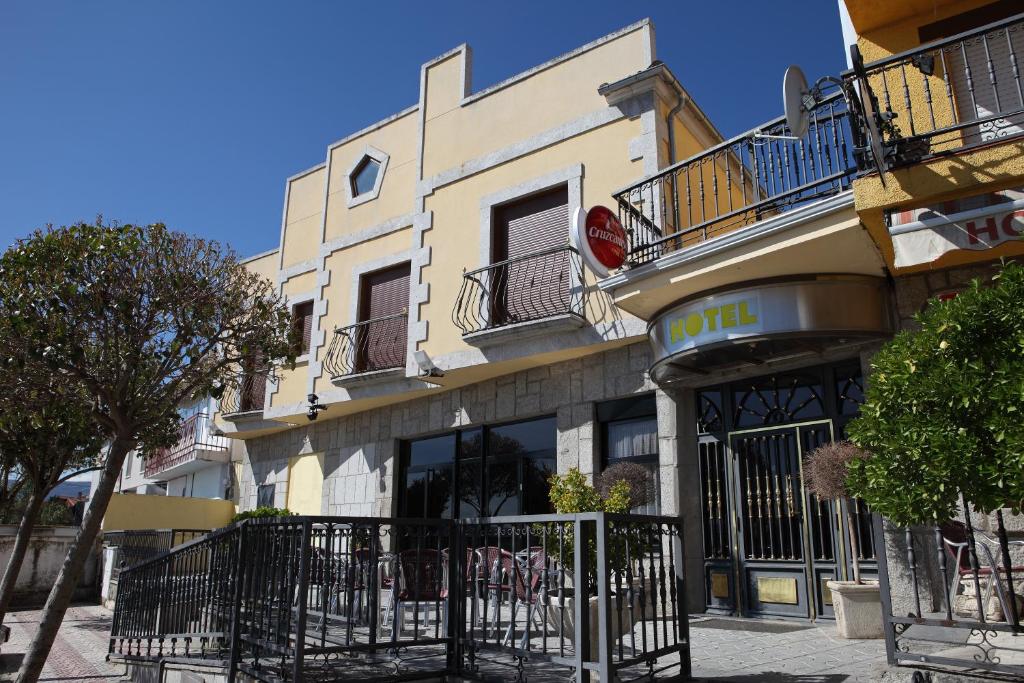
[[874, 135], [794, 96]]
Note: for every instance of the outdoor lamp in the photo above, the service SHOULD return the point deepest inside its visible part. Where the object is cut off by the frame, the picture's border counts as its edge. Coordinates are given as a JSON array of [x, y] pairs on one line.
[[314, 407]]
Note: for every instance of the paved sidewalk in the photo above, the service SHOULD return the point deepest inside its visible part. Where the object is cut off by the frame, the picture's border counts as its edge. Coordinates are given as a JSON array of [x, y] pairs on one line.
[[733, 650], [755, 651], [79, 652]]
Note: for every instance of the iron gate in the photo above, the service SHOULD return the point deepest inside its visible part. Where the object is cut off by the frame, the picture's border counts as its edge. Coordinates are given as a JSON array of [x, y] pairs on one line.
[[771, 546]]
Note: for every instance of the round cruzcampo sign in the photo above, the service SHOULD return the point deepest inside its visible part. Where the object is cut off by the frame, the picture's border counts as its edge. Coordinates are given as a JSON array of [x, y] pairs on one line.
[[600, 238]]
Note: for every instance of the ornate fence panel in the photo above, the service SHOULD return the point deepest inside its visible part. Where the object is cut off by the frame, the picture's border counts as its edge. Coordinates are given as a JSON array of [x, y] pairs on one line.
[[947, 95], [951, 594], [736, 183], [317, 598]]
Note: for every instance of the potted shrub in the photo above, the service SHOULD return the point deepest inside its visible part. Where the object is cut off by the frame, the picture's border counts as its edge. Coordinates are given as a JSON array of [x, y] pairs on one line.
[[857, 603], [571, 493]]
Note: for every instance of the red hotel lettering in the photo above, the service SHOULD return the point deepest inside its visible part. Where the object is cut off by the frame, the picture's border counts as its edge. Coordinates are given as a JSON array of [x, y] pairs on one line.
[[1008, 228], [990, 228]]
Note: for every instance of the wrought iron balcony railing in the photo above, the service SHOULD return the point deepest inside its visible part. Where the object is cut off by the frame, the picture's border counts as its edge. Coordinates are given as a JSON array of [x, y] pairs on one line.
[[193, 437], [368, 346], [736, 183], [522, 289], [948, 95], [247, 394]]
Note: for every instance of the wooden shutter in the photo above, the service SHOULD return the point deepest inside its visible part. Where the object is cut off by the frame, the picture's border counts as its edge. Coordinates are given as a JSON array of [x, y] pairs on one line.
[[302, 319], [533, 224], [381, 344], [535, 285]]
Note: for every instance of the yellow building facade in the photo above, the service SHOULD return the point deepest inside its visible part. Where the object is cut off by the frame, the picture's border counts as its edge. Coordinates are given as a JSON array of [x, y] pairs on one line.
[[459, 348]]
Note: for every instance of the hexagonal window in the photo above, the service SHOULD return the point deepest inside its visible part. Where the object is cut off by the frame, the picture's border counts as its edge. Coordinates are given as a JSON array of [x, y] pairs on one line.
[[364, 178]]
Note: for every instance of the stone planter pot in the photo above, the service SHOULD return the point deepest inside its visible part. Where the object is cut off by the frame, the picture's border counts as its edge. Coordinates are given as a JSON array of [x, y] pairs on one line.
[[617, 626], [858, 609]]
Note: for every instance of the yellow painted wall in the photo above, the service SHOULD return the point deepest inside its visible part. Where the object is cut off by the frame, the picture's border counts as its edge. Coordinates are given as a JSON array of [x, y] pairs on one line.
[[300, 284], [562, 93], [303, 217], [399, 139], [265, 265], [129, 511], [305, 484]]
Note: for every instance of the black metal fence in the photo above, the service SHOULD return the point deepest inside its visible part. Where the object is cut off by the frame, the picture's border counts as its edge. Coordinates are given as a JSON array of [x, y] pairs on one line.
[[951, 594], [738, 182], [947, 95], [527, 288], [132, 547], [368, 346], [312, 598]]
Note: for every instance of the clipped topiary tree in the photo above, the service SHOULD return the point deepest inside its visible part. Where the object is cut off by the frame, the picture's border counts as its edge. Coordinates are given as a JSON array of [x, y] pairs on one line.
[[825, 472], [944, 410], [636, 478]]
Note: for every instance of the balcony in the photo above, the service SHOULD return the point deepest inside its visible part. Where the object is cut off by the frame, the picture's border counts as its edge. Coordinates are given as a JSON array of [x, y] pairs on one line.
[[947, 96], [368, 349], [195, 445], [246, 397], [736, 183], [541, 292]]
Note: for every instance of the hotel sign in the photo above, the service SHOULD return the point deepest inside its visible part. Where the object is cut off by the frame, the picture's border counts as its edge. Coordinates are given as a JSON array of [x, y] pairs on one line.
[[976, 223], [823, 313]]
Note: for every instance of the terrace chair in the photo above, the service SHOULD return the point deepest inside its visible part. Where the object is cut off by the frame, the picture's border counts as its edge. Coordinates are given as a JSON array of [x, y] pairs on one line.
[[530, 590], [954, 537], [420, 575]]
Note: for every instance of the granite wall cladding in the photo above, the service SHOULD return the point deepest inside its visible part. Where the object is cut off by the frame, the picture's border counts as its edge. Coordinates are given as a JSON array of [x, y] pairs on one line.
[[360, 451]]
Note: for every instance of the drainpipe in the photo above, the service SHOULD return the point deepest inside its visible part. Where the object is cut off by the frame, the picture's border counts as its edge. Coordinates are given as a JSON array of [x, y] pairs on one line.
[[672, 149], [671, 129]]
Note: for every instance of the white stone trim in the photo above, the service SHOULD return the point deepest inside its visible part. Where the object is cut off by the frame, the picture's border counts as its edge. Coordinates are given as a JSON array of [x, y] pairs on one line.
[[369, 152], [254, 257], [380, 230], [296, 269]]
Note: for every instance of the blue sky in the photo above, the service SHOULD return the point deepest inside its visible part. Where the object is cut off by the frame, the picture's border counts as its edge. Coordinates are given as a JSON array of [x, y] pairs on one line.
[[194, 113]]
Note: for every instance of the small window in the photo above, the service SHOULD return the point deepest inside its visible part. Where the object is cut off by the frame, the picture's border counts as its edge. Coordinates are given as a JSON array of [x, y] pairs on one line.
[[629, 431], [265, 496], [302, 324], [364, 177], [128, 464]]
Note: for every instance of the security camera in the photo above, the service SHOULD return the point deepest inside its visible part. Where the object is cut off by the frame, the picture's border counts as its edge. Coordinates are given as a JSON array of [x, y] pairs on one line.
[[427, 367]]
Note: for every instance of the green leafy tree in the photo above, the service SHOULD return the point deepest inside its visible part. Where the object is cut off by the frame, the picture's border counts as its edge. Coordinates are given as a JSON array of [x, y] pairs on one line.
[[943, 411], [47, 428], [142, 319]]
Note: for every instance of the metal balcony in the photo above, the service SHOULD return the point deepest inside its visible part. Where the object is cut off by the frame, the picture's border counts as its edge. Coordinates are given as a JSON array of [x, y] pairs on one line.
[[195, 442], [741, 181], [946, 96], [246, 396], [370, 346], [542, 286]]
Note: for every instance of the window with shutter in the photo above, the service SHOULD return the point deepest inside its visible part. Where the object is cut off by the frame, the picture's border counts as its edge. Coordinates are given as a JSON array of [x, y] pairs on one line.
[[381, 340], [302, 322], [532, 281]]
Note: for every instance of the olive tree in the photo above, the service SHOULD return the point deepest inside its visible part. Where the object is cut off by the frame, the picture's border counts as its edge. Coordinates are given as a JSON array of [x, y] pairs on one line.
[[141, 318], [47, 432]]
